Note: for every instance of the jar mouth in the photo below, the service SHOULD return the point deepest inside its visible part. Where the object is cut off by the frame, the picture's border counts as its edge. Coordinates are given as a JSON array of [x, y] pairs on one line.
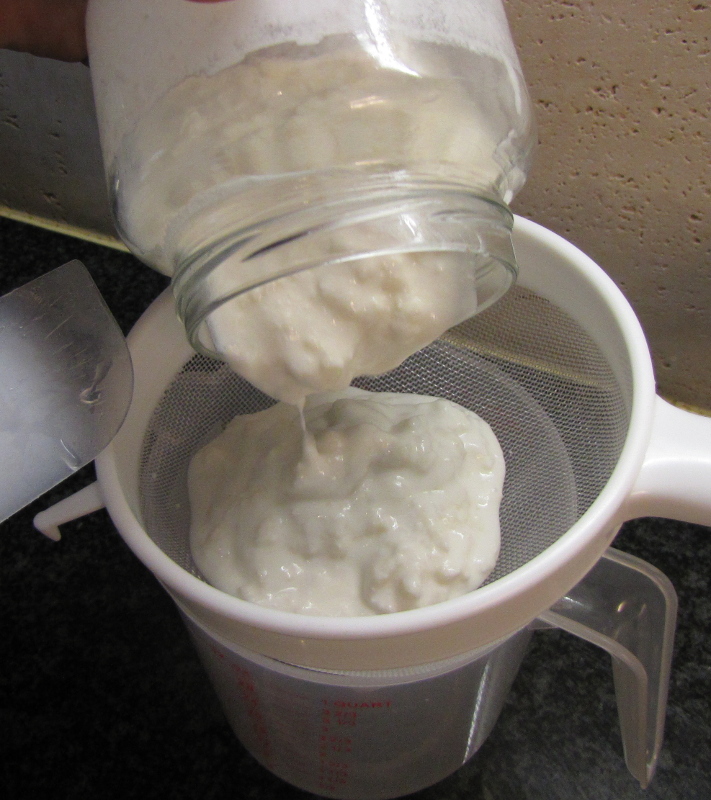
[[419, 220]]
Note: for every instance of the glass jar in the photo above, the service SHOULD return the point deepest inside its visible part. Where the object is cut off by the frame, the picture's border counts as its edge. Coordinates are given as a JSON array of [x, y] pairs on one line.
[[356, 155]]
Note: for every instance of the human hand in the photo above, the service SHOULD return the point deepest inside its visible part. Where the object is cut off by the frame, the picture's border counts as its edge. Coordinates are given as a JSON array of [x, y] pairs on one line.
[[50, 28]]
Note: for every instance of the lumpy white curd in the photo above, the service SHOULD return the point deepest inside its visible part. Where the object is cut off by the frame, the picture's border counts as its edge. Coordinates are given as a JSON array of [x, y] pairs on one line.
[[285, 112], [384, 502]]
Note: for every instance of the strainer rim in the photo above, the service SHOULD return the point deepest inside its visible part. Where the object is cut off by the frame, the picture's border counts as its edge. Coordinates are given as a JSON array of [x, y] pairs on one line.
[[586, 539]]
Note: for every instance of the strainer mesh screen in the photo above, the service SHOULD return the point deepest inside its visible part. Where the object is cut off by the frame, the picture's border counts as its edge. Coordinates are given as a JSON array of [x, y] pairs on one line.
[[531, 372]]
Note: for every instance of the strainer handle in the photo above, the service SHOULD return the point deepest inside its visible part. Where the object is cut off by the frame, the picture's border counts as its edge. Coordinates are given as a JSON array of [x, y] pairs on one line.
[[628, 608], [675, 479]]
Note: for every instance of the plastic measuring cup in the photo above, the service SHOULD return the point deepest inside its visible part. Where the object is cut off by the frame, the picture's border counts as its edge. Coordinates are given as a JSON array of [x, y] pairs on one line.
[[383, 734]]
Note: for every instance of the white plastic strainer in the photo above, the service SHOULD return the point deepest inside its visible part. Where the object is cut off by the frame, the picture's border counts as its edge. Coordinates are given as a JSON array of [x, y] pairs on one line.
[[560, 370]]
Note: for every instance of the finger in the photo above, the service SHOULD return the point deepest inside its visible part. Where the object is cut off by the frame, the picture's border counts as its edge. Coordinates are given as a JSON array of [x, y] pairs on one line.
[[50, 28]]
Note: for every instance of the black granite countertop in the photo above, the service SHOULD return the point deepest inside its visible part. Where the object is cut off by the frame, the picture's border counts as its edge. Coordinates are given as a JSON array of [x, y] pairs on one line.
[[103, 697]]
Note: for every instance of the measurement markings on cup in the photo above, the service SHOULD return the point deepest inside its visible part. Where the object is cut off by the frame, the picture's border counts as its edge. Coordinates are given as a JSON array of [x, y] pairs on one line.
[[333, 748], [253, 710], [335, 745]]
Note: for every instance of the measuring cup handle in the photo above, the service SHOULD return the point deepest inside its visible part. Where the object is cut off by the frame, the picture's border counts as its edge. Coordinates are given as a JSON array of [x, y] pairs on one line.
[[628, 608], [83, 502], [675, 479]]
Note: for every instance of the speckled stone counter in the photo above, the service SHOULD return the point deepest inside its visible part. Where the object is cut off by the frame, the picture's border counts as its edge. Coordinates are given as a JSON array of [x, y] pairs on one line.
[[102, 696]]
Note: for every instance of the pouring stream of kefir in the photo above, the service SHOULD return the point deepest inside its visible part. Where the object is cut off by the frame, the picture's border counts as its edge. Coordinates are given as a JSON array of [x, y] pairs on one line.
[[343, 503]]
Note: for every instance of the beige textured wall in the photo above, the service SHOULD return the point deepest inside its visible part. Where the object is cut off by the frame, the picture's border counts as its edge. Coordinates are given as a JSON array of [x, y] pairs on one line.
[[622, 96]]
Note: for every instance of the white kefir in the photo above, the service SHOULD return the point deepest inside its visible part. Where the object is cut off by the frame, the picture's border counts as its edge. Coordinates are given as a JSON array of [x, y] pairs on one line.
[[381, 502], [384, 502], [288, 129]]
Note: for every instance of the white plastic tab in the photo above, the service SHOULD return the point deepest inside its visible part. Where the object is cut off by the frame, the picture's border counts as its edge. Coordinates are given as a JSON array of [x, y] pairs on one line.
[[85, 501]]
